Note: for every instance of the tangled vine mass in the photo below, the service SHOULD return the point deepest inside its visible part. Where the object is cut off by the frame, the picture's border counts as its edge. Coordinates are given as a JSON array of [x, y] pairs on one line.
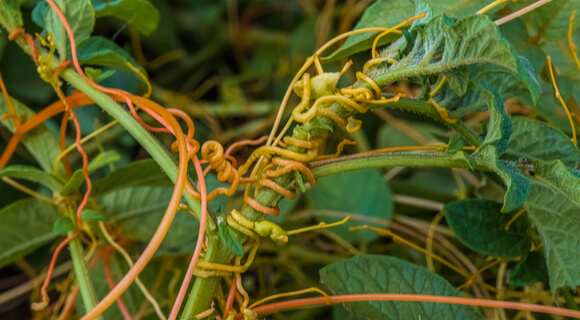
[[436, 66]]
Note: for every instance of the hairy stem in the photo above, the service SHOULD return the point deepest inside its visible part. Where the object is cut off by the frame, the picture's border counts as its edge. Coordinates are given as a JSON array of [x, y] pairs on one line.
[[157, 152], [391, 159]]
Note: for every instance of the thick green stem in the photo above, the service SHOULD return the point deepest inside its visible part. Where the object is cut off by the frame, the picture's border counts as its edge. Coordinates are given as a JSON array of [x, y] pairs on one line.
[[391, 159], [82, 275], [157, 152], [202, 292]]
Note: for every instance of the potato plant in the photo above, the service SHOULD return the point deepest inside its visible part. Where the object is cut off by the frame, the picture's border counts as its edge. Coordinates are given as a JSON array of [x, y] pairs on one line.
[[396, 159]]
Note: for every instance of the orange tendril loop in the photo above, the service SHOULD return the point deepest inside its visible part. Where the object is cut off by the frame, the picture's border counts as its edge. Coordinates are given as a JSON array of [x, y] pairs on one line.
[[357, 123], [278, 188], [262, 208], [339, 149], [213, 153], [267, 151], [288, 166]]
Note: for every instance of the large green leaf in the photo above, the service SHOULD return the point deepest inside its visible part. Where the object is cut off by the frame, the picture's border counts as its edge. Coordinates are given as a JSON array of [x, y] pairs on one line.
[[534, 139], [139, 173], [138, 211], [141, 14], [388, 13], [25, 226], [10, 15], [81, 19], [77, 179], [384, 274], [360, 192], [40, 141], [479, 225], [501, 80], [32, 174], [101, 51], [554, 208], [460, 50]]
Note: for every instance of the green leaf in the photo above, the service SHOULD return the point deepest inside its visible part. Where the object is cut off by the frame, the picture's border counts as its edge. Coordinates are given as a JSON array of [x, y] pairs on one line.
[[77, 179], [518, 186], [499, 128], [141, 14], [299, 181], [81, 19], [38, 13], [230, 239], [455, 144], [389, 13], [360, 192], [383, 274], [531, 269], [383, 14], [97, 75], [552, 19], [10, 15], [480, 225], [536, 140], [89, 215], [32, 174], [101, 51], [461, 50], [139, 173], [62, 225], [40, 141], [554, 208], [137, 212], [25, 226]]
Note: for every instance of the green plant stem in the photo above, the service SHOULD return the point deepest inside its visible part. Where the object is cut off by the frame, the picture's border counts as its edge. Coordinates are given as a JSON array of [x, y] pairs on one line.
[[148, 142], [390, 159], [569, 297], [202, 292], [312, 130], [80, 268], [157, 152]]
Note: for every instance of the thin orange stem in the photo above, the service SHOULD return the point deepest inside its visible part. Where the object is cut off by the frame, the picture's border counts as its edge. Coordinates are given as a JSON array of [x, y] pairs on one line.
[[62, 144], [111, 283], [198, 246], [279, 306], [41, 305], [230, 301]]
